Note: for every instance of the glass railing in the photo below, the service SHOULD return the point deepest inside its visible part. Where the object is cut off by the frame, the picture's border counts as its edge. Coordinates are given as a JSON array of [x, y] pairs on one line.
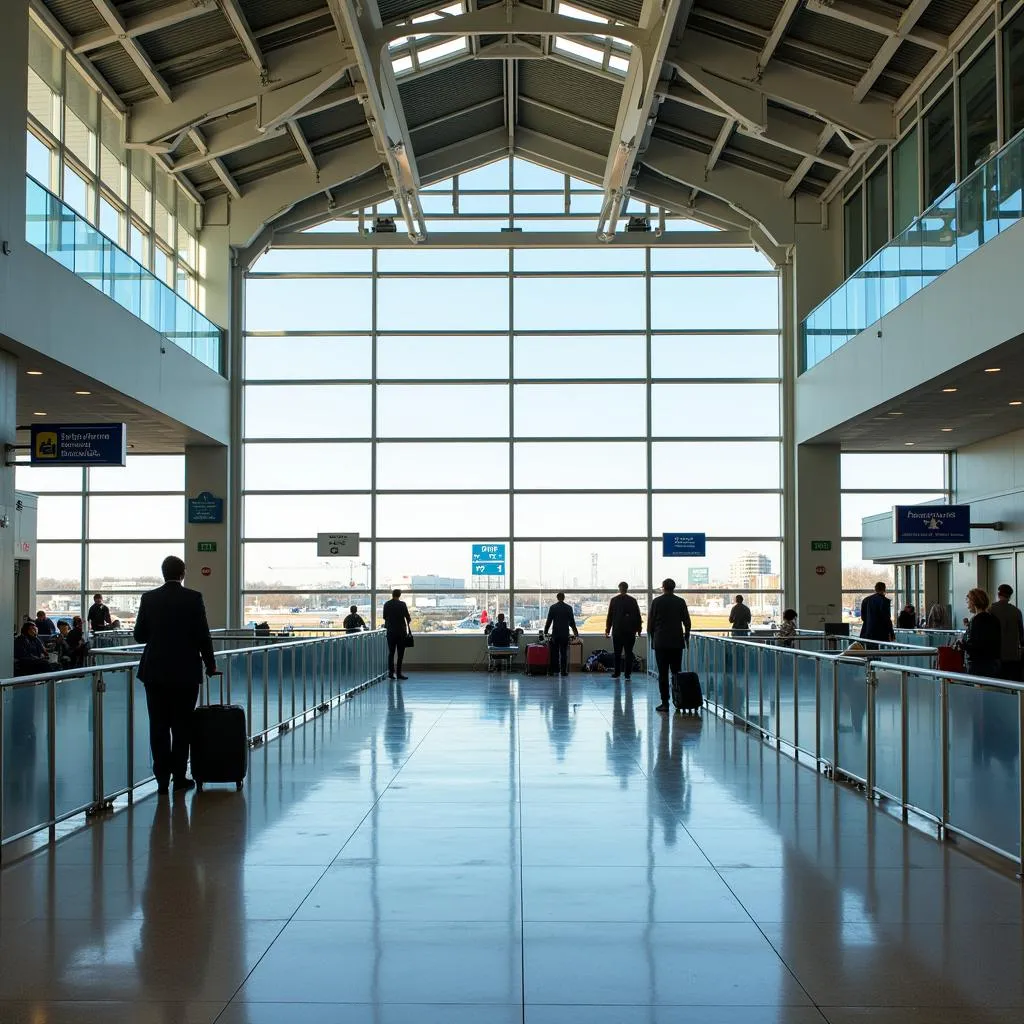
[[943, 747], [982, 206], [54, 228], [73, 742]]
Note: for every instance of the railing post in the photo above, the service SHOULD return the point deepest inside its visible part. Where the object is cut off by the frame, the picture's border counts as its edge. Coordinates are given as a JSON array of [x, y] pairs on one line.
[[870, 683], [904, 745], [944, 752], [778, 705], [51, 754], [835, 717], [130, 703], [796, 707], [1020, 780], [3, 783], [248, 692], [817, 711]]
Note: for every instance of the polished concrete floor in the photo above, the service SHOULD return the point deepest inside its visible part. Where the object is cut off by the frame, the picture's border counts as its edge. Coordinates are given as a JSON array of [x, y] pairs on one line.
[[473, 850]]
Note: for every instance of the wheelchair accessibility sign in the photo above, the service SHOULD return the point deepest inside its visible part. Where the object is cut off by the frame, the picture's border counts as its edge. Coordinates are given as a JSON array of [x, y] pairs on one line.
[[337, 545]]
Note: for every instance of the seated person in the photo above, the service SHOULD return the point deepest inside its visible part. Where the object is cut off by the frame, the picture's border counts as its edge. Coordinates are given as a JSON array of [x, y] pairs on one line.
[[45, 625], [353, 622], [99, 615], [29, 654], [76, 645], [500, 635]]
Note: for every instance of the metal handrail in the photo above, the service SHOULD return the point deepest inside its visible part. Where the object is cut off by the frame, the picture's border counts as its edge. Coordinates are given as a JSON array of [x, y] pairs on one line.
[[321, 672], [775, 690]]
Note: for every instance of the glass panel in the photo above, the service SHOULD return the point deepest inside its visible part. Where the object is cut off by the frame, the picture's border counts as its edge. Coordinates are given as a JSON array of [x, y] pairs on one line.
[[892, 470], [581, 410], [717, 258], [142, 756], [710, 464], [853, 231], [581, 515], [270, 467], [579, 304], [39, 160], [315, 261], [75, 739], [878, 211], [428, 565], [979, 121], [1013, 75], [59, 518], [417, 260], [289, 516], [124, 567], [609, 258], [152, 516], [308, 304], [699, 355], [709, 303], [574, 564], [44, 79], [856, 507], [58, 567], [542, 465], [441, 304], [142, 473], [26, 776], [303, 358], [939, 146], [81, 118], [905, 202], [722, 515], [739, 566], [616, 356], [715, 410], [115, 731], [317, 411], [888, 734], [426, 466], [441, 515], [852, 714], [426, 358], [445, 410], [924, 783]]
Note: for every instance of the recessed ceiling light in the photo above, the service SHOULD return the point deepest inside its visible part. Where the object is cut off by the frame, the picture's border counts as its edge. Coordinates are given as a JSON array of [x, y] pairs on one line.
[[945, 430], [83, 392], [895, 414], [993, 369], [948, 391], [39, 414], [34, 373], [1015, 403], [909, 444]]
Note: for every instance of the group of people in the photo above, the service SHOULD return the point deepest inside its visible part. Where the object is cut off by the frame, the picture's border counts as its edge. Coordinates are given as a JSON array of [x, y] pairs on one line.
[[40, 637]]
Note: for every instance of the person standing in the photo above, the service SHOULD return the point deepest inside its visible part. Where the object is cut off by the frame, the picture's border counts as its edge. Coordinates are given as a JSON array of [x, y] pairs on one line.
[[739, 617], [787, 631], [398, 624], [353, 622], [876, 616], [98, 614], [624, 624], [668, 627], [938, 617], [561, 621], [172, 624], [907, 619], [983, 640], [1011, 627]]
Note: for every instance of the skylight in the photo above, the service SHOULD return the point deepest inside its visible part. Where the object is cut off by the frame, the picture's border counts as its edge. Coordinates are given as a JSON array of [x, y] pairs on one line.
[[420, 49], [602, 51]]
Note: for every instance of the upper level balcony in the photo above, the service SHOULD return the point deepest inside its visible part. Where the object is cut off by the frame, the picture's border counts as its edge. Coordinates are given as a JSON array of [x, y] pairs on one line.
[[55, 229], [972, 213]]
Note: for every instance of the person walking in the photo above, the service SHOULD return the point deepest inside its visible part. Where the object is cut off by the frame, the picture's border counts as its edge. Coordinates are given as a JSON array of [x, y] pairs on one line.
[[172, 624], [623, 624], [876, 616], [398, 624], [739, 617], [561, 621], [983, 639], [1011, 627], [668, 627]]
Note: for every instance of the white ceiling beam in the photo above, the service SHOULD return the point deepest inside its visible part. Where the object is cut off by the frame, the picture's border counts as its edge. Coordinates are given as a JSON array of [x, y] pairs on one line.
[[164, 17], [793, 87], [300, 99], [225, 176], [231, 89], [805, 165], [378, 93], [796, 134], [526, 240], [240, 25], [745, 105], [110, 14], [724, 135], [299, 138], [886, 52], [874, 21], [638, 107], [560, 156], [778, 32]]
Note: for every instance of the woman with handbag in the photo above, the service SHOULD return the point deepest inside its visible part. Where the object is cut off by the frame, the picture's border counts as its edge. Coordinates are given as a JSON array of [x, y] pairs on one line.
[[398, 625]]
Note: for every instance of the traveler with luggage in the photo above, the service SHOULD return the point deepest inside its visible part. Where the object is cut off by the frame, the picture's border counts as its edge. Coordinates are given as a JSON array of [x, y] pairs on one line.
[[558, 626], [739, 617], [1012, 632], [398, 624], [983, 638], [668, 627], [624, 624], [172, 624]]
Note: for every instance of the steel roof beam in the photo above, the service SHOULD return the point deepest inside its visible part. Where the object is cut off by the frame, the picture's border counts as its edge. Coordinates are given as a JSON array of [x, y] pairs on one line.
[[299, 138], [743, 104], [807, 163], [240, 24], [886, 52], [110, 14], [778, 32], [164, 17], [527, 240], [874, 21], [724, 134], [378, 93]]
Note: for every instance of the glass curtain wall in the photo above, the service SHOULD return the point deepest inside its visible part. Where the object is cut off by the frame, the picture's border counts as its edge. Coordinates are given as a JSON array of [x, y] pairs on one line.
[[872, 482], [104, 530], [569, 404]]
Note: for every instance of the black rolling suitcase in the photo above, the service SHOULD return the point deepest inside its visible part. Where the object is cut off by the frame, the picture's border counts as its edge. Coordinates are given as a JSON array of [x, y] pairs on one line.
[[220, 744], [686, 692]]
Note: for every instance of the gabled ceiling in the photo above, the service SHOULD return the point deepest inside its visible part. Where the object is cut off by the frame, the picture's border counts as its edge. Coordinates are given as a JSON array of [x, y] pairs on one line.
[[720, 110]]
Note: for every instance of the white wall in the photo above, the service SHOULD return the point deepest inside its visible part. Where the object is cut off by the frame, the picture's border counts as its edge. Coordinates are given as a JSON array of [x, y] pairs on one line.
[[971, 309], [464, 651]]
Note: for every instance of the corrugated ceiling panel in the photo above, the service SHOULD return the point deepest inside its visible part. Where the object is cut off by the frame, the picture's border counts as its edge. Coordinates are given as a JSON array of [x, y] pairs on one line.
[[329, 122], [833, 34], [820, 65], [114, 64], [187, 36], [565, 128], [749, 40], [753, 165], [694, 143], [910, 58], [185, 69], [397, 10], [203, 174], [945, 15], [451, 89], [740, 143], [458, 129], [76, 15], [576, 91], [620, 10], [305, 30], [887, 85], [690, 119], [261, 13], [267, 150], [755, 12]]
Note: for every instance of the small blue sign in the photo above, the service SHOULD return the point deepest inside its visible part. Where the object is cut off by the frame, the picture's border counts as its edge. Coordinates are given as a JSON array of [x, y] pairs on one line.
[[683, 545], [931, 524], [205, 508], [488, 559], [79, 444]]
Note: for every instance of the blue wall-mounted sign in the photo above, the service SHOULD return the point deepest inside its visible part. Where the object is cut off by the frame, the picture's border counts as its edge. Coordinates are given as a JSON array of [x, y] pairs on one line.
[[931, 524], [683, 545], [205, 508], [488, 559], [79, 444]]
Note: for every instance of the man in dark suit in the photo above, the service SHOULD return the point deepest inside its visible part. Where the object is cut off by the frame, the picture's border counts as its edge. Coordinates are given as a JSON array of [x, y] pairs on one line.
[[398, 624], [561, 622], [172, 624], [876, 616], [668, 626], [623, 625]]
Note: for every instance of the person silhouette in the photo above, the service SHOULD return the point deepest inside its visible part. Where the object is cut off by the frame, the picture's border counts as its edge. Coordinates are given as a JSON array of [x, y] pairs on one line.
[[397, 725], [560, 725], [622, 744]]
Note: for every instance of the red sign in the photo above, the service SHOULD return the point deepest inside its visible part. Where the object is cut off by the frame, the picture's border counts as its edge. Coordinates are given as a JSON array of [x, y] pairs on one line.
[[206, 570], [819, 569]]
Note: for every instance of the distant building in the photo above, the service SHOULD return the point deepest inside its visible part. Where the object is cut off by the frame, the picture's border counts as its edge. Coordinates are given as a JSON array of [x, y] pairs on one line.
[[747, 568], [436, 583]]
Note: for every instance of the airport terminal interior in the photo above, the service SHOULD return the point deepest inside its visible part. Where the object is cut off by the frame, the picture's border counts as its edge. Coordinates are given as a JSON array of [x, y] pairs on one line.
[[488, 303]]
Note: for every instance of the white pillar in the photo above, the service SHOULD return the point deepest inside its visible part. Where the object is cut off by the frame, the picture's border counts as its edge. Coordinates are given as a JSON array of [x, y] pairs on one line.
[[9, 613], [206, 471], [818, 572], [14, 90]]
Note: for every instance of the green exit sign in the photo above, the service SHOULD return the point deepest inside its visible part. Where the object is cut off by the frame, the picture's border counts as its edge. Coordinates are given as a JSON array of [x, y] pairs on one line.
[[206, 545], [821, 545]]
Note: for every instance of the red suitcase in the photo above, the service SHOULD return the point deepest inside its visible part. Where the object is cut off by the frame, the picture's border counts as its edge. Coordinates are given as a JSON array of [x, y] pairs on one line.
[[951, 659], [538, 659]]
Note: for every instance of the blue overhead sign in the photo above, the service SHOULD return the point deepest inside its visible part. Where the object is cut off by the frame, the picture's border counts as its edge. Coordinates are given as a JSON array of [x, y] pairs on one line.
[[205, 508], [79, 444], [931, 524], [488, 559], [683, 545]]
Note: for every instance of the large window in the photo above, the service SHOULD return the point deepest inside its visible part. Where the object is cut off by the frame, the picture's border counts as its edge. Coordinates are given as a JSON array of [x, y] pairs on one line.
[[105, 530], [571, 405]]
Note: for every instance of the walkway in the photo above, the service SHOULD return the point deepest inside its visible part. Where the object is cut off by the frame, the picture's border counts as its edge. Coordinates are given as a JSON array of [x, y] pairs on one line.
[[445, 853]]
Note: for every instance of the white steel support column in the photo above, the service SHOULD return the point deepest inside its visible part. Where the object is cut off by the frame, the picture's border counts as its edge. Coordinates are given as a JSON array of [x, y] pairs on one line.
[[787, 399], [206, 471], [234, 363], [819, 574], [9, 613]]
